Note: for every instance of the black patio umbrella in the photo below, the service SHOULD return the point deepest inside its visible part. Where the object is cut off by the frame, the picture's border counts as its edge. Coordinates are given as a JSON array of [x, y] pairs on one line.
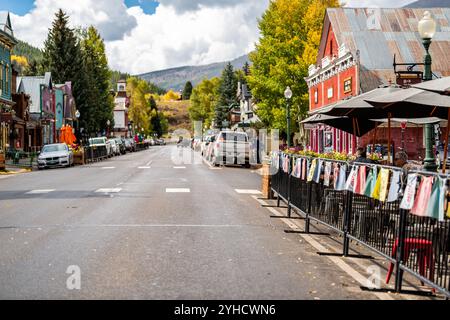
[[414, 103], [441, 85], [346, 124]]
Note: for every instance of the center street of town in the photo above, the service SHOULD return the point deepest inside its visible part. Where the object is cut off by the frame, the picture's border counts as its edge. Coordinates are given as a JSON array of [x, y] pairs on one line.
[[158, 230]]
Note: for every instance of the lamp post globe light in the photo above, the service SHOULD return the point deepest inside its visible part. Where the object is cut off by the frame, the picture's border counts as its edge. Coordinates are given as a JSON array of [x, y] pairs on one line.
[[288, 95], [427, 29]]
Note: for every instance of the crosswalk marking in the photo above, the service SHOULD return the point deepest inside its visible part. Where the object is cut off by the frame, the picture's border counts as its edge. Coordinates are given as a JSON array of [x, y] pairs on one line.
[[45, 191], [109, 190], [108, 168], [179, 167], [178, 190], [247, 191]]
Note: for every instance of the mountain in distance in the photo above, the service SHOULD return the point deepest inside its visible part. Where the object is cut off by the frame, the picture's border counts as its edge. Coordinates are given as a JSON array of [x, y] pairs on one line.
[[176, 78], [429, 4], [26, 50]]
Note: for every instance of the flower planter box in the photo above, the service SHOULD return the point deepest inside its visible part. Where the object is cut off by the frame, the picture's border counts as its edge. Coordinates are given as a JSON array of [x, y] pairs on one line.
[[78, 158]]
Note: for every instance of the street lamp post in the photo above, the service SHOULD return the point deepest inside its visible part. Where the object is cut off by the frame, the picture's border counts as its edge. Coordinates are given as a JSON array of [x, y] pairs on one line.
[[78, 115], [288, 96], [427, 29], [108, 123]]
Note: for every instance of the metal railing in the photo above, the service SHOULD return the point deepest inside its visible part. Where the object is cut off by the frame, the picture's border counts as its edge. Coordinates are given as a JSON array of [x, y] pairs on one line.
[[416, 245]]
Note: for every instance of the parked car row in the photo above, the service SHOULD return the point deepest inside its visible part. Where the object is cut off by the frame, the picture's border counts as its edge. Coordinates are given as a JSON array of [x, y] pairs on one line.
[[60, 155]]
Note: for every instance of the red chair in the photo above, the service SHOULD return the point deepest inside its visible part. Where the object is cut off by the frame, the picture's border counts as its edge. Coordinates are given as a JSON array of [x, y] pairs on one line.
[[425, 256]]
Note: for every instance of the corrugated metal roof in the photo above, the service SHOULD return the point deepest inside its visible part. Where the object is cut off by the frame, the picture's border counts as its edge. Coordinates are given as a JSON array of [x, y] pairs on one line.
[[32, 87], [395, 32]]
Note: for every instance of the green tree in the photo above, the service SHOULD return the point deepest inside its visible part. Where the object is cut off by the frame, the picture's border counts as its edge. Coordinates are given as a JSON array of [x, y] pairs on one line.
[[153, 105], [290, 34], [227, 95], [187, 91], [95, 60], [139, 111], [159, 122], [62, 56], [204, 98]]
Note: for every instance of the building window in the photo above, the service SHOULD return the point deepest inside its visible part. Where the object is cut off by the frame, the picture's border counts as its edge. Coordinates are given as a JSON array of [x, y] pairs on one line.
[[348, 85], [7, 89], [316, 96], [330, 93], [328, 141], [1, 78], [331, 48]]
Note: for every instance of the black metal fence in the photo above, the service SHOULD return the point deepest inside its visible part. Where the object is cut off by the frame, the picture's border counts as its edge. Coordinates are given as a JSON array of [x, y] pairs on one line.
[[95, 153], [318, 190]]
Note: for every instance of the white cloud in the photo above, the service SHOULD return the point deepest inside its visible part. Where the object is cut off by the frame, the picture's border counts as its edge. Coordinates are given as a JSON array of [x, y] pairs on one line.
[[179, 33], [109, 16]]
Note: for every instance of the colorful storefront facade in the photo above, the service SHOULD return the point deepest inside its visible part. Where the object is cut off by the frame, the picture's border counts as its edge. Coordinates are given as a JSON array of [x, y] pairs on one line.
[[7, 42], [356, 55]]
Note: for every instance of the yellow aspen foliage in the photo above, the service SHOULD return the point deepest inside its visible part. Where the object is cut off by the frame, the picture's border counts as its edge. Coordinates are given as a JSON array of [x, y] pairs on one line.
[[20, 60], [171, 96], [290, 37]]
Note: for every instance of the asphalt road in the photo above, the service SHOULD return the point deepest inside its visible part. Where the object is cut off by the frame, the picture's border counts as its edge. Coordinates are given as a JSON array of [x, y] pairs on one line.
[[137, 239]]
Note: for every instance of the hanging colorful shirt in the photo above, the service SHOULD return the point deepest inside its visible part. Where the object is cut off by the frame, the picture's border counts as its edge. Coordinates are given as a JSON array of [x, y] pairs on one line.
[[436, 203], [286, 164], [335, 175], [318, 171], [350, 184], [395, 187], [410, 193], [360, 182], [312, 170], [423, 197], [384, 173], [296, 172], [327, 174], [340, 186], [304, 168], [370, 182]]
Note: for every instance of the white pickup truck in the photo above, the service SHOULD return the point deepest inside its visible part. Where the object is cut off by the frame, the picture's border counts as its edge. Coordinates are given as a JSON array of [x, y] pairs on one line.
[[231, 148]]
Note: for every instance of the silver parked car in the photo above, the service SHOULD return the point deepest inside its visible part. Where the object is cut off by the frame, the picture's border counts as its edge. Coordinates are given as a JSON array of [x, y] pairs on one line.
[[55, 155]]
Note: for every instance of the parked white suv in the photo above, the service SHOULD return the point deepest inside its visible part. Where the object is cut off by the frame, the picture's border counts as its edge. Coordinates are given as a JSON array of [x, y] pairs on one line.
[[101, 146], [231, 148]]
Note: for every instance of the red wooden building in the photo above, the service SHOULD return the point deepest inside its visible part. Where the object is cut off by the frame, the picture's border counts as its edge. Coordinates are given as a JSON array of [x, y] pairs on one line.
[[356, 55]]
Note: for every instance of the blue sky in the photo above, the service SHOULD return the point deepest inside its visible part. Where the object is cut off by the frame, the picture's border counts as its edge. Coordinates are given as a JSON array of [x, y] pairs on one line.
[[21, 7]]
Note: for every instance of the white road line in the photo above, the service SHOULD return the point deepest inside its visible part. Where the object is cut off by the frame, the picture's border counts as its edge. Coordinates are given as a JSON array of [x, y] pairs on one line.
[[149, 163], [247, 191], [178, 190], [336, 260], [179, 167], [45, 191], [108, 168], [109, 190], [144, 167]]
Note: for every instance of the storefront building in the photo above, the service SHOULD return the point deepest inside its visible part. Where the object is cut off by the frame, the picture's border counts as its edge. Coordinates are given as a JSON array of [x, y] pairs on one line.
[[121, 105], [42, 122], [7, 42], [64, 107], [356, 55]]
